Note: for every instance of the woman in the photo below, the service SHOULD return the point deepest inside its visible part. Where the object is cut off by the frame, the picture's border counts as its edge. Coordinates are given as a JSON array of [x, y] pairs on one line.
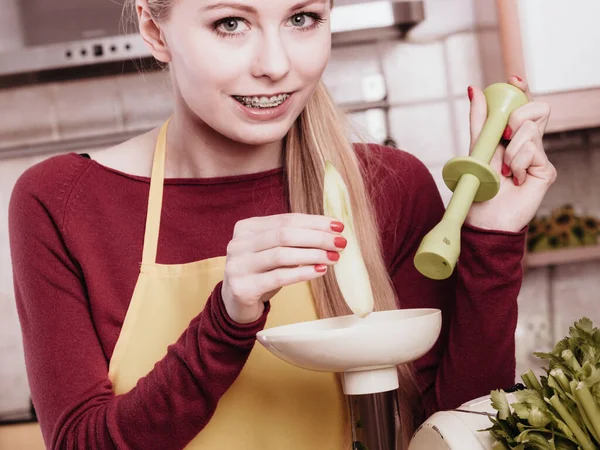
[[231, 238]]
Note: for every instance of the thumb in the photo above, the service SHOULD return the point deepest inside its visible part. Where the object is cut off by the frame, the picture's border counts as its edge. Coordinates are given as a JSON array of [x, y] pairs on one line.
[[477, 113]]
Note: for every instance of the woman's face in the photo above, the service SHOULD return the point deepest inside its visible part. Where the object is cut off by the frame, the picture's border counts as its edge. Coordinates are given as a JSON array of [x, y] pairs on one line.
[[247, 68]]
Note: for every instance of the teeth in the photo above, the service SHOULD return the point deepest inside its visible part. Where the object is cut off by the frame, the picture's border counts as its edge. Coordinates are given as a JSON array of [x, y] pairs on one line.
[[263, 102]]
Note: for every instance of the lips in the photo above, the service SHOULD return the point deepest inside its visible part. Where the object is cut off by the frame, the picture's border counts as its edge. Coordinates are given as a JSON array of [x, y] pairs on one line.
[[262, 101]]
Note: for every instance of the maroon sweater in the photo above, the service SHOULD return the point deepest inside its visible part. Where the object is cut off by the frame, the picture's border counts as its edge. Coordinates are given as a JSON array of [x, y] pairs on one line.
[[76, 231]]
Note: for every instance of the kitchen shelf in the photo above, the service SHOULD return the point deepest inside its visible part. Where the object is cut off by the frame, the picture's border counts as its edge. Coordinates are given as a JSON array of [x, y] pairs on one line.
[[566, 256]]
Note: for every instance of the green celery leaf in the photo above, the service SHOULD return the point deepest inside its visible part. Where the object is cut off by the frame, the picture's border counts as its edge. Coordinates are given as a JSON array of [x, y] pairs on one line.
[[500, 404]]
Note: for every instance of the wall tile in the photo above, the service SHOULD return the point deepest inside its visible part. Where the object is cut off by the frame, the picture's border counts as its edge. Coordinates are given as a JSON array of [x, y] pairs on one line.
[[463, 63], [576, 288], [369, 126], [425, 131], [414, 72], [88, 107], [576, 180], [147, 99], [534, 327], [351, 73], [27, 115]]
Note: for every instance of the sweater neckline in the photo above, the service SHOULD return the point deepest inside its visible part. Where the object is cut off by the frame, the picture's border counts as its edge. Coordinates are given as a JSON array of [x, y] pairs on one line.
[[230, 179]]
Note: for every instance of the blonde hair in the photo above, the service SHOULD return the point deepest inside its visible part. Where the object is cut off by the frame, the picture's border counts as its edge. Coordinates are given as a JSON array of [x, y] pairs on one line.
[[320, 134]]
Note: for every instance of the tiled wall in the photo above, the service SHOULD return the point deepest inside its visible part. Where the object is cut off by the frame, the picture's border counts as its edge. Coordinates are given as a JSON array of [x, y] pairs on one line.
[[555, 297], [425, 79]]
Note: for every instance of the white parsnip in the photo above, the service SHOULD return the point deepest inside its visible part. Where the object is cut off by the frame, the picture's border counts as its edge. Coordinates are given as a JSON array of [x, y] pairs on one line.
[[350, 271]]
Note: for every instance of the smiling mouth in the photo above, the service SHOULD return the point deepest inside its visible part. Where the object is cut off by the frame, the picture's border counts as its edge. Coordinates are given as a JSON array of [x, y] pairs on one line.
[[262, 102]]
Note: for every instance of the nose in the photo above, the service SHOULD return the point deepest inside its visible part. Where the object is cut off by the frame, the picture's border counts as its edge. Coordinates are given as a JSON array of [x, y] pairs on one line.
[[272, 59]]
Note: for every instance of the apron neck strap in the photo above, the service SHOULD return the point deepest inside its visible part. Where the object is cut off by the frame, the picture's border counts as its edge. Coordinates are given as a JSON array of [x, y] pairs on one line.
[[155, 198]]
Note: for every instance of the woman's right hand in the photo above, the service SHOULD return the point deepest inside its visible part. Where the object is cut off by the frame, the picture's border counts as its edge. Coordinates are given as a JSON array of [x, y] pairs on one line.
[[267, 253]]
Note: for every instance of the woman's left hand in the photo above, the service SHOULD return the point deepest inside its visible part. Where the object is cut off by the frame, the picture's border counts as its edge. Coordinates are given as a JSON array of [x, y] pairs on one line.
[[526, 174]]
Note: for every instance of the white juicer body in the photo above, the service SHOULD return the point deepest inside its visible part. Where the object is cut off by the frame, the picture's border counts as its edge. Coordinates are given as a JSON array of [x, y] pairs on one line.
[[458, 429]]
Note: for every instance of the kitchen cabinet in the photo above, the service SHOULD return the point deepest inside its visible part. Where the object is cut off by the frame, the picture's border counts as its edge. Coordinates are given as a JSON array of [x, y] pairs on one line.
[[554, 45]]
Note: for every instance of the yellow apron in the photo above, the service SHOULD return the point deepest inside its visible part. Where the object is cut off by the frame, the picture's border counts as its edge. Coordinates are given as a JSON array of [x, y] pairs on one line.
[[272, 405]]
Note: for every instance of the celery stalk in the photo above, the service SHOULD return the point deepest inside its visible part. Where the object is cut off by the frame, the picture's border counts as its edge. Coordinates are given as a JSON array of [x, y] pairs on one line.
[[562, 379], [555, 385], [531, 381], [581, 436], [569, 358], [590, 408], [584, 416]]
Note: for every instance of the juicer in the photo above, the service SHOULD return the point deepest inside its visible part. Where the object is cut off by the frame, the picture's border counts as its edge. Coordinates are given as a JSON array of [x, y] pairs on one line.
[[366, 351]]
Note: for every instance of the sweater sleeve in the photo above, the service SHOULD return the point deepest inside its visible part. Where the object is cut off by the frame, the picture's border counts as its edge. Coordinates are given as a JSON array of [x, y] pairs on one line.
[[476, 349], [66, 366]]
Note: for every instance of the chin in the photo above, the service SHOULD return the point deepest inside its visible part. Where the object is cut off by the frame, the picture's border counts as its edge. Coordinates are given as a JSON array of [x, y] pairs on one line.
[[259, 134], [258, 139]]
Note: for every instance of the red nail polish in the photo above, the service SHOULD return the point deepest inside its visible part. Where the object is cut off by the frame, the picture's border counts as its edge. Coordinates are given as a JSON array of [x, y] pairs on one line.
[[340, 242], [338, 227], [333, 256], [470, 92], [515, 181], [321, 268], [507, 132], [505, 170], [518, 78]]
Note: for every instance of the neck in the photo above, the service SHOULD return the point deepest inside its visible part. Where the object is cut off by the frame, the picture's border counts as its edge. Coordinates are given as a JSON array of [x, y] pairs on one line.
[[197, 151]]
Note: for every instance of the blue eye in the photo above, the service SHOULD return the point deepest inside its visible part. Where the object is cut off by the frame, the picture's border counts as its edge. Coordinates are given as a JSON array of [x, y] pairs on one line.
[[233, 26], [230, 26], [305, 21], [299, 20]]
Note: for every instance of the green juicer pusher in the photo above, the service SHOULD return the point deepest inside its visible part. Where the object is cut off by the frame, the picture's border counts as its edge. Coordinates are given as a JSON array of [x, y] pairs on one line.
[[472, 180]]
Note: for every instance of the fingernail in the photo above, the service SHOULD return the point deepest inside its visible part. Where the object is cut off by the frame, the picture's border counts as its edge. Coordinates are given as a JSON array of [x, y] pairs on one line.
[[507, 132], [336, 226], [333, 256], [518, 78], [321, 268], [515, 181], [470, 92], [505, 170], [340, 242]]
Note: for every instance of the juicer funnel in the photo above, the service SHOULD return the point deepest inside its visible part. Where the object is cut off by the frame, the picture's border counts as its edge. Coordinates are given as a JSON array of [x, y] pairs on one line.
[[365, 351]]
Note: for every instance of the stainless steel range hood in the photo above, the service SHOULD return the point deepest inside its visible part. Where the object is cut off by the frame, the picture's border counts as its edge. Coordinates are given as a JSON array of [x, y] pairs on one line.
[[66, 39]]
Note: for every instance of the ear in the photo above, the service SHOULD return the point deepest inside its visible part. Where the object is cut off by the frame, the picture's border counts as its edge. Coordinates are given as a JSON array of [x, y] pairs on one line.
[[151, 32]]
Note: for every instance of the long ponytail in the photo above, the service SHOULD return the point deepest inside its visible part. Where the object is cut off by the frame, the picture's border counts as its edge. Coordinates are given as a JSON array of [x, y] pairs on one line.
[[320, 134]]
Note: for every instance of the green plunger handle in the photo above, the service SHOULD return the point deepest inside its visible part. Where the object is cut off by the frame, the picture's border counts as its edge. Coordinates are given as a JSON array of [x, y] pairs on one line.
[[462, 199], [502, 99], [440, 248]]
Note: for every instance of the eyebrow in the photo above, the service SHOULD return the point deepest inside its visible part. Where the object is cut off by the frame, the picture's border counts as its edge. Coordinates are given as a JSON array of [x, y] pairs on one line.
[[250, 9], [306, 3], [223, 5]]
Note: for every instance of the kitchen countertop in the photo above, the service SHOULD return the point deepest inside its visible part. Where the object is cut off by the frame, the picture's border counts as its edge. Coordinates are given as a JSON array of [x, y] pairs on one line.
[[23, 436]]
